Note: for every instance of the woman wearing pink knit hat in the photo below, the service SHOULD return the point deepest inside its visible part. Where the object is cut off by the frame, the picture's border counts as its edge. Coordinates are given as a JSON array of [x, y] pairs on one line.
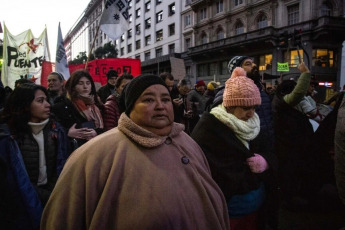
[[237, 153]]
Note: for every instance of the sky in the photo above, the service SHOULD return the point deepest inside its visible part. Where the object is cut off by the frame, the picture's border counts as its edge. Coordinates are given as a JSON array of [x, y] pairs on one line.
[[21, 15]]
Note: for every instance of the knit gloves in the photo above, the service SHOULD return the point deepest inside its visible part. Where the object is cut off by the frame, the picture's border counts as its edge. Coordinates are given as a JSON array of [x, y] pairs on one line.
[[257, 163]]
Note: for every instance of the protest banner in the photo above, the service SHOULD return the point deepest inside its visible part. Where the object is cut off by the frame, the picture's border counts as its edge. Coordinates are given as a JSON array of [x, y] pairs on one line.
[[23, 56], [283, 67], [99, 68]]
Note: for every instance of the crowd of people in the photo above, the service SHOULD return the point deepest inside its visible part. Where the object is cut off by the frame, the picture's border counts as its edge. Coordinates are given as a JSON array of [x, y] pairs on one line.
[[149, 152]]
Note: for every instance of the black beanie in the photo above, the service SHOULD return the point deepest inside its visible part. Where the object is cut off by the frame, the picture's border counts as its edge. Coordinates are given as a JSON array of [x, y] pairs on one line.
[[236, 62], [136, 87]]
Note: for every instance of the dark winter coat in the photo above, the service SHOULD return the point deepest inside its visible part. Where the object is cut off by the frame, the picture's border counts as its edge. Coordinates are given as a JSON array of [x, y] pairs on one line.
[[67, 114], [56, 152], [20, 206], [227, 155], [105, 91], [293, 138]]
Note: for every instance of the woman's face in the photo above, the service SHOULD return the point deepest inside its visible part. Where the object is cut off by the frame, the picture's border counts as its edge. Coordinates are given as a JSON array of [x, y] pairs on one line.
[[124, 82], [243, 113], [39, 108], [153, 110], [83, 87]]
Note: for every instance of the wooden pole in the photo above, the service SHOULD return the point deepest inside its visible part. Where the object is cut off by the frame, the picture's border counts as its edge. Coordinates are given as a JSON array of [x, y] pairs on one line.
[[93, 45]]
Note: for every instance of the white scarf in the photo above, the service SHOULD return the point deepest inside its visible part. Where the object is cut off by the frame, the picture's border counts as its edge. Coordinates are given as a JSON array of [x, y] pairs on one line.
[[244, 130]]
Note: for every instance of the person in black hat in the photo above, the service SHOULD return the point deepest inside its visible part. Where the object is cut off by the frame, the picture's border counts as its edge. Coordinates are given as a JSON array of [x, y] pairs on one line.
[[105, 91], [144, 174]]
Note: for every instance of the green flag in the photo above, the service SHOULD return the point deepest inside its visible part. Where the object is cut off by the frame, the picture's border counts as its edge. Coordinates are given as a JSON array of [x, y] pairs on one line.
[[284, 67]]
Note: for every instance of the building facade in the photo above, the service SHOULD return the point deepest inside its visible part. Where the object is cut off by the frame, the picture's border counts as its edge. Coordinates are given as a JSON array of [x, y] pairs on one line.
[[206, 34], [270, 31]]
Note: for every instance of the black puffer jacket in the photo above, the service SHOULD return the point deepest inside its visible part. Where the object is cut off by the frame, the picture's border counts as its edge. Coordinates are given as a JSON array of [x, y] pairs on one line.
[[56, 153]]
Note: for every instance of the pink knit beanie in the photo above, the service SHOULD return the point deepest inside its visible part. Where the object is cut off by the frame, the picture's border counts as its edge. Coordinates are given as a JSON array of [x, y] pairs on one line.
[[240, 90]]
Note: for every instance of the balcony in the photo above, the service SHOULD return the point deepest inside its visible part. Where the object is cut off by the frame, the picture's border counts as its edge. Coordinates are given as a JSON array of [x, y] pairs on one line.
[[320, 29], [264, 34]]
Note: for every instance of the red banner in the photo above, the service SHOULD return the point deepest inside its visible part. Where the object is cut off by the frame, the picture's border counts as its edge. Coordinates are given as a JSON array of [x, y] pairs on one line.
[[99, 68], [47, 68]]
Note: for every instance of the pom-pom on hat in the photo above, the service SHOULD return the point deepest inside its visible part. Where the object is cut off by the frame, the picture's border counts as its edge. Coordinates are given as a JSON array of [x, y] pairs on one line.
[[136, 87], [236, 61], [240, 90], [212, 85]]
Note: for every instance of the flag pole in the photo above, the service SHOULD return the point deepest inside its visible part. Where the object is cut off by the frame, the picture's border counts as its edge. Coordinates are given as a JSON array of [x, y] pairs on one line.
[[93, 44]]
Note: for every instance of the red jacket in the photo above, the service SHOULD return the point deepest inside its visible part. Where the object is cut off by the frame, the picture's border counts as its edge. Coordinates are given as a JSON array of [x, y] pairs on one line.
[[111, 112]]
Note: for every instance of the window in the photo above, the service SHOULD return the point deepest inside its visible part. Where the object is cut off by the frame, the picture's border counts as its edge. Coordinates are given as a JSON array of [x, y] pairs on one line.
[[159, 2], [219, 6], [147, 56], [292, 57], [129, 48], [137, 56], [238, 2], [224, 68], [137, 13], [130, 18], [220, 34], [137, 44], [159, 16], [105, 36], [262, 21], [122, 51], [159, 52], [188, 70], [122, 37], [202, 70], [326, 9], [323, 58], [171, 29], [239, 29], [171, 9], [137, 29], [172, 48], [187, 20], [130, 4], [187, 43], [159, 35], [293, 14], [147, 40], [147, 23], [129, 33], [203, 38], [148, 6], [137, 1], [212, 69], [202, 14], [265, 62]]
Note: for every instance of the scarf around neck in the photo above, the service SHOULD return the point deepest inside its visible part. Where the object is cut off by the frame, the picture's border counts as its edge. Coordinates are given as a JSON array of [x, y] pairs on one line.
[[245, 131], [142, 136], [87, 108]]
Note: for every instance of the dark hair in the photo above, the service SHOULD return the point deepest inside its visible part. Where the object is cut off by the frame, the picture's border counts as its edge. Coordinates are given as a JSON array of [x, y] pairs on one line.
[[17, 111], [111, 73], [59, 75], [22, 81], [286, 87], [74, 80], [183, 82], [166, 75], [121, 78]]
